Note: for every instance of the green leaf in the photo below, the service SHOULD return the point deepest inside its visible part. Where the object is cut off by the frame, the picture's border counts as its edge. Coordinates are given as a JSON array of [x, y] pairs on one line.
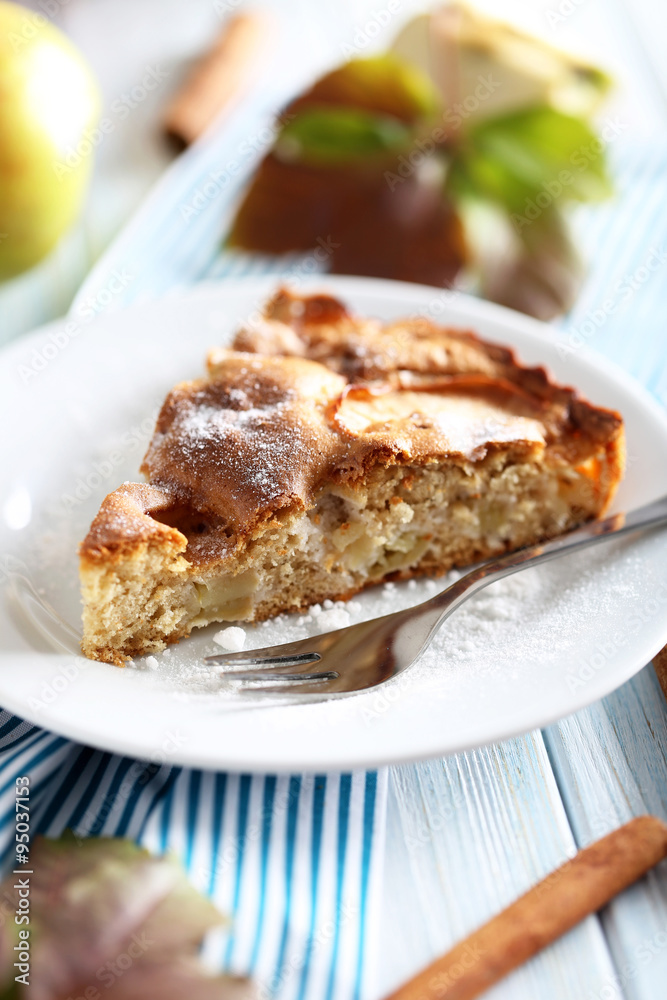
[[536, 154], [363, 109], [336, 135]]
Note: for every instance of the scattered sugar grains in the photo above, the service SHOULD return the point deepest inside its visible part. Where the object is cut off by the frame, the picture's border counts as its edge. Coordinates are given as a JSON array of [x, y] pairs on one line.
[[230, 638], [514, 631], [332, 618], [151, 663]]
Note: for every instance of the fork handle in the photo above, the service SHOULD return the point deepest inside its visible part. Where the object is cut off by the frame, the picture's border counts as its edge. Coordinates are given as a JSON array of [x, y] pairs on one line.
[[652, 515]]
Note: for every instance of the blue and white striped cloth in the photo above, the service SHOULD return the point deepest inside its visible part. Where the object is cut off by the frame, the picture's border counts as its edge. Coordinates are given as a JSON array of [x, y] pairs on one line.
[[293, 860]]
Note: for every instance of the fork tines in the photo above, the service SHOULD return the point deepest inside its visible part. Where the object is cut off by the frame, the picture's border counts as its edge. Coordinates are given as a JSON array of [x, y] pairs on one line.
[[268, 668]]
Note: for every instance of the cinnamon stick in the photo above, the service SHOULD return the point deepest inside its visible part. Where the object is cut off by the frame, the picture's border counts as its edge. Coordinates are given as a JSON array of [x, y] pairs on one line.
[[660, 667], [217, 78], [552, 907]]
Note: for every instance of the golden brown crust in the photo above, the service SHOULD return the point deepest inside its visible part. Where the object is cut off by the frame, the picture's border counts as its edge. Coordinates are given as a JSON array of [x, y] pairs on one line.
[[248, 441], [128, 517], [319, 327], [261, 435]]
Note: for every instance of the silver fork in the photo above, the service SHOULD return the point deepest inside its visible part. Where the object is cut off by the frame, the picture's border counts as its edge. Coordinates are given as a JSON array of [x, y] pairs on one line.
[[370, 653]]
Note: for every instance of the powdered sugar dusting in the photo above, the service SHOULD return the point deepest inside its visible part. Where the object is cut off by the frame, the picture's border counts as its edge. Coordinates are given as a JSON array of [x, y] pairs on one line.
[[241, 445], [232, 638], [333, 619], [201, 425], [514, 630]]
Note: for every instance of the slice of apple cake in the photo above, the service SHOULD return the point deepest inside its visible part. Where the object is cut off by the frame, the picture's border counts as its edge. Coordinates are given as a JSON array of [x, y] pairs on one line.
[[327, 453]]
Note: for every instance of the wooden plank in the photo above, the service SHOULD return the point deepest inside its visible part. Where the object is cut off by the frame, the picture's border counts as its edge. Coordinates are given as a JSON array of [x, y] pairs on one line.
[[465, 837], [610, 761]]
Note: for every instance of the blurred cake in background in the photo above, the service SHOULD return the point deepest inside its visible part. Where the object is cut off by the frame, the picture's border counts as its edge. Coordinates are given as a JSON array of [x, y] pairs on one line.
[[450, 159]]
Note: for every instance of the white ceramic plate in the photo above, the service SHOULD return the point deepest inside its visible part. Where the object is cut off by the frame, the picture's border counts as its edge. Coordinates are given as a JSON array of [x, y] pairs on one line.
[[77, 412]]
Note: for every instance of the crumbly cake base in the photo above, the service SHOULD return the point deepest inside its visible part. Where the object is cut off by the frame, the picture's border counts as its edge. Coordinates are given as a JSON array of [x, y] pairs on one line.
[[400, 521]]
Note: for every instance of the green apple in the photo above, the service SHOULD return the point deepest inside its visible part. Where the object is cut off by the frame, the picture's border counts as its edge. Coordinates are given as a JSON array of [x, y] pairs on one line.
[[49, 104]]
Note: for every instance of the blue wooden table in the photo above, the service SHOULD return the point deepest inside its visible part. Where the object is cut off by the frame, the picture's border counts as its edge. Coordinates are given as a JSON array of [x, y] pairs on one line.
[[465, 835]]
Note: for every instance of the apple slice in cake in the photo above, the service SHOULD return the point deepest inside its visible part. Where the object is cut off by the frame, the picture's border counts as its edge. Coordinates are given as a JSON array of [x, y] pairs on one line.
[[327, 453]]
